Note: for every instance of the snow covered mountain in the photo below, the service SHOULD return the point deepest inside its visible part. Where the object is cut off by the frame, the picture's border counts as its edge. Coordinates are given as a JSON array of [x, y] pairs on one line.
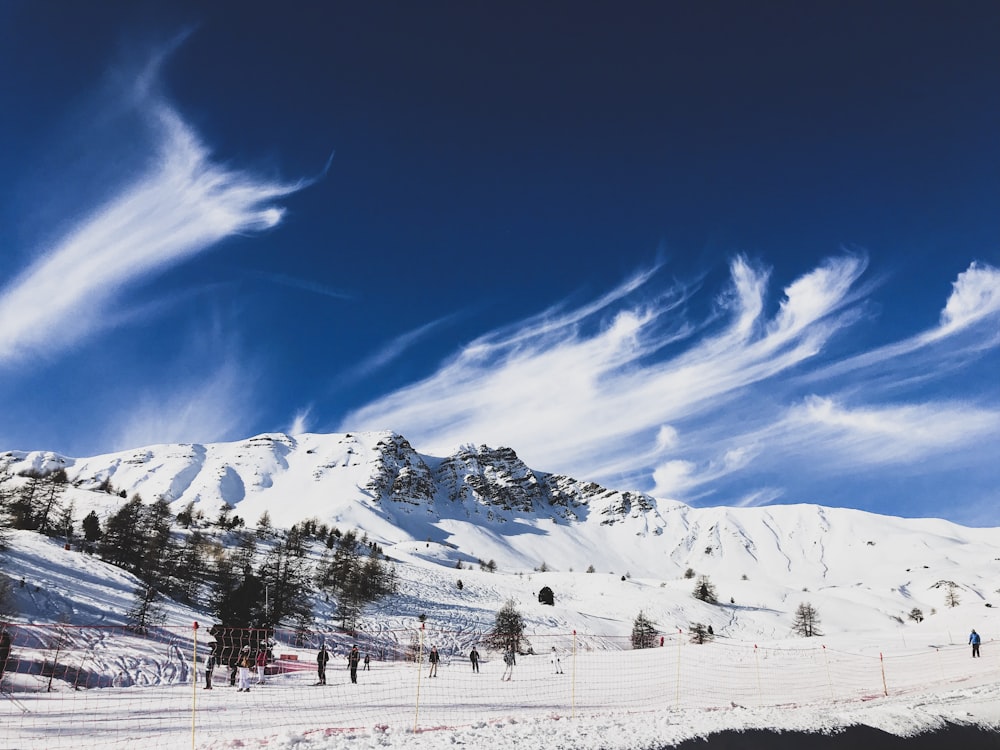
[[859, 569], [606, 554]]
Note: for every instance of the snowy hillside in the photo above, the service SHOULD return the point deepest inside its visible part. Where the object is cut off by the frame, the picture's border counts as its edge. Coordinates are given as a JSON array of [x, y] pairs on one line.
[[862, 571], [607, 555]]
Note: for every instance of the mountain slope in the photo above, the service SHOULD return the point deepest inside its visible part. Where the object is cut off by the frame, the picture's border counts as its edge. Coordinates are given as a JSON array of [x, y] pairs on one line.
[[432, 514]]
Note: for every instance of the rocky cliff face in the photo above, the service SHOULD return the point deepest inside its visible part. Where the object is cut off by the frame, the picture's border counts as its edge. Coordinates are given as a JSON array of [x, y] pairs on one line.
[[495, 478], [322, 472], [399, 474]]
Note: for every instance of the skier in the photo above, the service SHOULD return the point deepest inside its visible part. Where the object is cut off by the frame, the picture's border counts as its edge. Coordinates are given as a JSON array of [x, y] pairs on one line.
[[555, 661], [974, 639], [321, 659], [352, 661], [474, 658], [508, 660], [433, 658]]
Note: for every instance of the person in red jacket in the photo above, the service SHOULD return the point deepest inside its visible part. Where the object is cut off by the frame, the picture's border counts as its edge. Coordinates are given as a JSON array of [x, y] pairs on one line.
[[261, 663]]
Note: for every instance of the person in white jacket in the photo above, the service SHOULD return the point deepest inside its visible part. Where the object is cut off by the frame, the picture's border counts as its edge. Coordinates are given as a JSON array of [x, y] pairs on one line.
[[243, 665], [556, 663]]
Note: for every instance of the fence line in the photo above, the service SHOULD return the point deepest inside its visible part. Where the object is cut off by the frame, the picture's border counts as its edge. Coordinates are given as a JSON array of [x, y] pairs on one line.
[[62, 683]]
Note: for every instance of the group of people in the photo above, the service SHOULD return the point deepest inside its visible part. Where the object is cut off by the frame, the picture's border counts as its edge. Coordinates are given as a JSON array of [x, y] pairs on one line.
[[240, 668], [353, 661]]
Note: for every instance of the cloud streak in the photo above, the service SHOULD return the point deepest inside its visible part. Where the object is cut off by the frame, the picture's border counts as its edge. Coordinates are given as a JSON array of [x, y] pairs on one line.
[[629, 389], [180, 206]]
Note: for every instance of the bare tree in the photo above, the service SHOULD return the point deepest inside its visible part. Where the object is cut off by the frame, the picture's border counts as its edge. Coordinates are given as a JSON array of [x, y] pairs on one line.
[[951, 598], [806, 621]]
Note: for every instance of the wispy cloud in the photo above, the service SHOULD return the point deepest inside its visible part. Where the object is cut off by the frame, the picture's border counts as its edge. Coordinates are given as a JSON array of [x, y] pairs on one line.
[[629, 389], [181, 204], [973, 302], [391, 351], [300, 422], [305, 284], [204, 406]]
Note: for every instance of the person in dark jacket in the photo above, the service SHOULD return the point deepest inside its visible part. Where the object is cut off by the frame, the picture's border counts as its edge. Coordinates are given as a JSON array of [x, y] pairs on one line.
[[352, 661], [474, 658], [321, 659], [974, 639], [4, 652], [434, 658], [210, 663]]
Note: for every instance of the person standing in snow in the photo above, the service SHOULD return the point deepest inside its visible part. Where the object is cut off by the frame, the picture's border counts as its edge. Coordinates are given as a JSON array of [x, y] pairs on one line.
[[508, 660], [4, 652], [433, 658], [474, 658], [974, 639], [243, 665], [261, 663], [352, 662], [210, 662], [321, 659], [367, 662], [556, 662]]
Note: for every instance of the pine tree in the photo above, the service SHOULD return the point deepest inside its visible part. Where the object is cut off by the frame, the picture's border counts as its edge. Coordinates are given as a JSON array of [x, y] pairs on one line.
[[643, 632], [508, 630], [701, 634], [286, 573], [146, 609], [91, 527], [123, 543], [705, 590]]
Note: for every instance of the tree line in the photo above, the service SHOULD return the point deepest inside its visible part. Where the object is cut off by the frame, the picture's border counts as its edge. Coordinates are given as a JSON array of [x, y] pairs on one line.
[[249, 578]]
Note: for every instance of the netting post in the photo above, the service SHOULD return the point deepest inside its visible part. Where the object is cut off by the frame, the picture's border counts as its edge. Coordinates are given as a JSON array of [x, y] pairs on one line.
[[677, 691], [194, 682], [420, 668], [756, 665], [573, 678], [829, 680], [881, 661]]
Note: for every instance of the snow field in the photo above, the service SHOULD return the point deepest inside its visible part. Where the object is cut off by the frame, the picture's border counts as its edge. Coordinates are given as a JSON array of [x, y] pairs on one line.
[[163, 705]]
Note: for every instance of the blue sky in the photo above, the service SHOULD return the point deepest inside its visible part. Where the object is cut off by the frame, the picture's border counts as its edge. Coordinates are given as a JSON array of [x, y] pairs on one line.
[[722, 253]]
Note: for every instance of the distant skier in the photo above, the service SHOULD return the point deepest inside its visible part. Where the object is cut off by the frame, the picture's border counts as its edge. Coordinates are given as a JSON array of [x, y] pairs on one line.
[[474, 658], [321, 659], [508, 660], [352, 662], [974, 639], [556, 662], [433, 658], [210, 663], [368, 660]]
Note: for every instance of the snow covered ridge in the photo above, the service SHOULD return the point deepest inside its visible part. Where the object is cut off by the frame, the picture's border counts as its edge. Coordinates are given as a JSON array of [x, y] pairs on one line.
[[376, 469], [485, 504]]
